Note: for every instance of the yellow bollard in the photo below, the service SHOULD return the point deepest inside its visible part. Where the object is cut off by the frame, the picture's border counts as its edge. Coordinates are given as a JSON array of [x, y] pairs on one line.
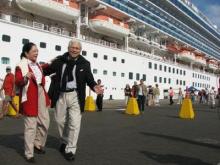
[[90, 104], [186, 111], [11, 111], [132, 107]]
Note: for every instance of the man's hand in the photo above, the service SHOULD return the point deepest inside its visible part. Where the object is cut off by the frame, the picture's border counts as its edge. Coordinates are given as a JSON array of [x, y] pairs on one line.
[[29, 75], [98, 89]]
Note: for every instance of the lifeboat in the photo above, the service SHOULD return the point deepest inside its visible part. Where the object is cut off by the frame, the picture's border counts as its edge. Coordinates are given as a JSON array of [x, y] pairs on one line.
[[65, 11], [108, 26], [213, 64], [186, 56], [200, 59]]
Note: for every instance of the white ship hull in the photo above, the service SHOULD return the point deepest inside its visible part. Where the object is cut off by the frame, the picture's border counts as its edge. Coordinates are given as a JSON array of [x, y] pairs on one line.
[[113, 85]]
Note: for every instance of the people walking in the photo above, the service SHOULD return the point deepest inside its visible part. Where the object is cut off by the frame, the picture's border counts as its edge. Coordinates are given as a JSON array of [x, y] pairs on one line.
[[142, 93], [212, 97], [34, 101], [73, 72], [127, 93], [171, 94], [9, 90], [180, 96], [99, 98], [156, 93]]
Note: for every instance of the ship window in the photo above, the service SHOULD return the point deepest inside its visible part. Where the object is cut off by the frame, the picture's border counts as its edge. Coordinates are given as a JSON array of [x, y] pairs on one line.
[[165, 68], [105, 57], [114, 73], [95, 71], [177, 71], [180, 82], [123, 61], [150, 65], [122, 74], [144, 77], [95, 55], [6, 38], [25, 41], [105, 72], [160, 80], [155, 66], [160, 67], [58, 48], [177, 82], [181, 72], [169, 81], [165, 80], [84, 53], [193, 74], [173, 70], [130, 75], [155, 79], [43, 45], [114, 59], [137, 76], [5, 60]]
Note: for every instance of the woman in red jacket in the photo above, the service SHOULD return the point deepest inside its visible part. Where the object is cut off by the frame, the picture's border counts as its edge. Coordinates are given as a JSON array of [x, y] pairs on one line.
[[34, 101]]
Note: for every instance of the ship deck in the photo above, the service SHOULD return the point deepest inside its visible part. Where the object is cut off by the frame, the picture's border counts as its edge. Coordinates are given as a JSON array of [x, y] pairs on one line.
[[113, 138]]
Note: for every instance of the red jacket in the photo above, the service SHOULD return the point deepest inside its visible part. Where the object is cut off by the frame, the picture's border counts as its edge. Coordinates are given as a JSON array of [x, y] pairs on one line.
[[30, 107], [8, 84]]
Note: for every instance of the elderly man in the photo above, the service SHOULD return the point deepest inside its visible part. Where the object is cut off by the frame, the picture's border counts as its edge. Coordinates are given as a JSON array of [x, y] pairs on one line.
[[73, 72]]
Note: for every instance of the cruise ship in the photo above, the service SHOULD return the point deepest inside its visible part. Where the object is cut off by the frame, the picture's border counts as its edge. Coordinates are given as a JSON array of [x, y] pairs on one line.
[[166, 42]]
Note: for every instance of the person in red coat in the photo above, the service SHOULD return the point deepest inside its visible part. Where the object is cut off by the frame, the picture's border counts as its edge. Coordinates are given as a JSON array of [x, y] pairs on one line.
[[34, 101], [8, 87]]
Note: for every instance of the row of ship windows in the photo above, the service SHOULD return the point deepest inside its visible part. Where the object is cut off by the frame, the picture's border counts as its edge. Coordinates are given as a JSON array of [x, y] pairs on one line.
[[130, 74], [195, 75], [105, 57], [201, 85], [168, 80], [164, 68], [7, 38]]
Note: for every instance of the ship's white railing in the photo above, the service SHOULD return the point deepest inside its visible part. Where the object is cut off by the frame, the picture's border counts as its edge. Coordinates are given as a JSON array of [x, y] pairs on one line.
[[99, 41], [36, 25]]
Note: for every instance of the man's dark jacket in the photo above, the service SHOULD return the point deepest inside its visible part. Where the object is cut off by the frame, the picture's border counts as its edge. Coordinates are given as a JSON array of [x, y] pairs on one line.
[[83, 76]]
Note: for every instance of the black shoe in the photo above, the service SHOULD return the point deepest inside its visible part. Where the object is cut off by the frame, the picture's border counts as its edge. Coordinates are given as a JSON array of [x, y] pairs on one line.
[[62, 148], [69, 156], [39, 151], [30, 160]]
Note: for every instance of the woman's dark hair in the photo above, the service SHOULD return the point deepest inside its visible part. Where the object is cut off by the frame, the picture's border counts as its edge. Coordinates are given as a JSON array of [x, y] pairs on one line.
[[26, 48]]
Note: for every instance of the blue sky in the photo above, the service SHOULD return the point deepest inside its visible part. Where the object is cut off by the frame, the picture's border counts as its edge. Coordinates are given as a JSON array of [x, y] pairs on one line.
[[211, 8]]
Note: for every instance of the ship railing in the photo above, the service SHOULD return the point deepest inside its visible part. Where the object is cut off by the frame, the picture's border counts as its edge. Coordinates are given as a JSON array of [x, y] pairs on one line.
[[55, 30], [99, 41], [37, 25]]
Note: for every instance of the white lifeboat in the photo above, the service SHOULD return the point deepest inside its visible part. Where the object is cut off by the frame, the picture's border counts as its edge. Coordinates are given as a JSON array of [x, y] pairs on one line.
[[213, 64], [54, 9], [108, 26], [200, 59], [186, 56]]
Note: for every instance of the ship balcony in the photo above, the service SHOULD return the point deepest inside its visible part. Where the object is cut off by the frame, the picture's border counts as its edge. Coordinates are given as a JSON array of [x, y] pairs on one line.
[[146, 42], [108, 26], [212, 64], [53, 9]]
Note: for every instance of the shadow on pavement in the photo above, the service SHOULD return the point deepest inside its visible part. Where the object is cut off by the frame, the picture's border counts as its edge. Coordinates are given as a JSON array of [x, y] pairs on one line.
[[16, 142], [178, 139], [173, 159]]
